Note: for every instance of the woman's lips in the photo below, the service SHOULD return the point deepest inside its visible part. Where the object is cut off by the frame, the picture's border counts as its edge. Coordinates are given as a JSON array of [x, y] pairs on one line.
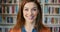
[[31, 17]]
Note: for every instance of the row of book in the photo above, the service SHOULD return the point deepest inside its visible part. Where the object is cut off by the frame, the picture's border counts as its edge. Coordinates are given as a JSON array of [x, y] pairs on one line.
[[52, 20], [52, 1], [4, 19], [9, 1], [4, 29], [8, 9], [51, 10], [55, 29]]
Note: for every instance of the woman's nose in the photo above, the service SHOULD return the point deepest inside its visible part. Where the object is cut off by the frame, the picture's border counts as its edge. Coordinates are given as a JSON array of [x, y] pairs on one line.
[[30, 13]]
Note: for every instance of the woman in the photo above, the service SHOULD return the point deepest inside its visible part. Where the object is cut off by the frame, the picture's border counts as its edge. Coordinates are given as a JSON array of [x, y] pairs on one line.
[[29, 18]]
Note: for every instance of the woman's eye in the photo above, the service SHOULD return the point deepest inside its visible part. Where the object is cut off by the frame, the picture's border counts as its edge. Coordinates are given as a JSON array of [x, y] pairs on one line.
[[34, 9], [26, 9]]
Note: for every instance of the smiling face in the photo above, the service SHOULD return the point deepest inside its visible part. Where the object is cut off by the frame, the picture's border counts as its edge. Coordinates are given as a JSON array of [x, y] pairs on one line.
[[30, 12]]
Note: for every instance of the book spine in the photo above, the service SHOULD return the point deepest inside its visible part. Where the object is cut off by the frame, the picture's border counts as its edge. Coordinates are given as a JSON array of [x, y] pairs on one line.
[[7, 9], [46, 10], [49, 20], [0, 9], [3, 9], [59, 10], [45, 20], [16, 9], [10, 9], [13, 9], [52, 20]]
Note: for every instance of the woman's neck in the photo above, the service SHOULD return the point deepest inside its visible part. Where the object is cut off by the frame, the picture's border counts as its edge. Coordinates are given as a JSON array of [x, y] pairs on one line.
[[29, 26]]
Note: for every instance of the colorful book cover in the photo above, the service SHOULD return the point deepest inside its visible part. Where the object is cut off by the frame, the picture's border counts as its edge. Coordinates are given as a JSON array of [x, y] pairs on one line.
[[0, 19], [0, 9]]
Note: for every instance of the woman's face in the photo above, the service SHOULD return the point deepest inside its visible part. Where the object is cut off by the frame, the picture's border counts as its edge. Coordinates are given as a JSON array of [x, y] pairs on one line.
[[30, 12]]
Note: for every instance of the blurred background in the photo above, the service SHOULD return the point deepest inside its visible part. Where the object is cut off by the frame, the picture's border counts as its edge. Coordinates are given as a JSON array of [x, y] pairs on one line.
[[50, 11]]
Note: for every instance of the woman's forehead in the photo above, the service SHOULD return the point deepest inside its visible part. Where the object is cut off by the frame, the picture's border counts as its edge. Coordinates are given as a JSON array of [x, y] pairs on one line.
[[30, 4]]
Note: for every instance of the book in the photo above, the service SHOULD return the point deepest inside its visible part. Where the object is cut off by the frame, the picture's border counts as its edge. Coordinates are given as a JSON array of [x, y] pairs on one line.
[[10, 9], [0, 19], [55, 1], [13, 9], [0, 9], [3, 19], [59, 10], [6, 29], [52, 20], [56, 29], [52, 10], [9, 19], [7, 9], [56, 11], [3, 9], [46, 11], [45, 20], [52, 1], [48, 20], [55, 20], [16, 9], [46, 1]]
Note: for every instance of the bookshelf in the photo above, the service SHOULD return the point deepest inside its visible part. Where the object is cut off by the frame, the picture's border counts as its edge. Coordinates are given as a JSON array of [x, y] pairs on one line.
[[8, 13], [51, 14]]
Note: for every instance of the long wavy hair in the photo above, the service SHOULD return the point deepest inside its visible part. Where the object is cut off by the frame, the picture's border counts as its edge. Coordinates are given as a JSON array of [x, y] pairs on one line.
[[21, 20]]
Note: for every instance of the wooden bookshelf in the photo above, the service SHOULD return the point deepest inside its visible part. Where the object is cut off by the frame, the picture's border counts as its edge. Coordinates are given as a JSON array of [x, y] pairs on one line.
[[8, 14]]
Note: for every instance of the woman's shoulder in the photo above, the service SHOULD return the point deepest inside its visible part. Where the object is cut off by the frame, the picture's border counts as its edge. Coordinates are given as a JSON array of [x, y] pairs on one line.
[[15, 30], [45, 30]]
